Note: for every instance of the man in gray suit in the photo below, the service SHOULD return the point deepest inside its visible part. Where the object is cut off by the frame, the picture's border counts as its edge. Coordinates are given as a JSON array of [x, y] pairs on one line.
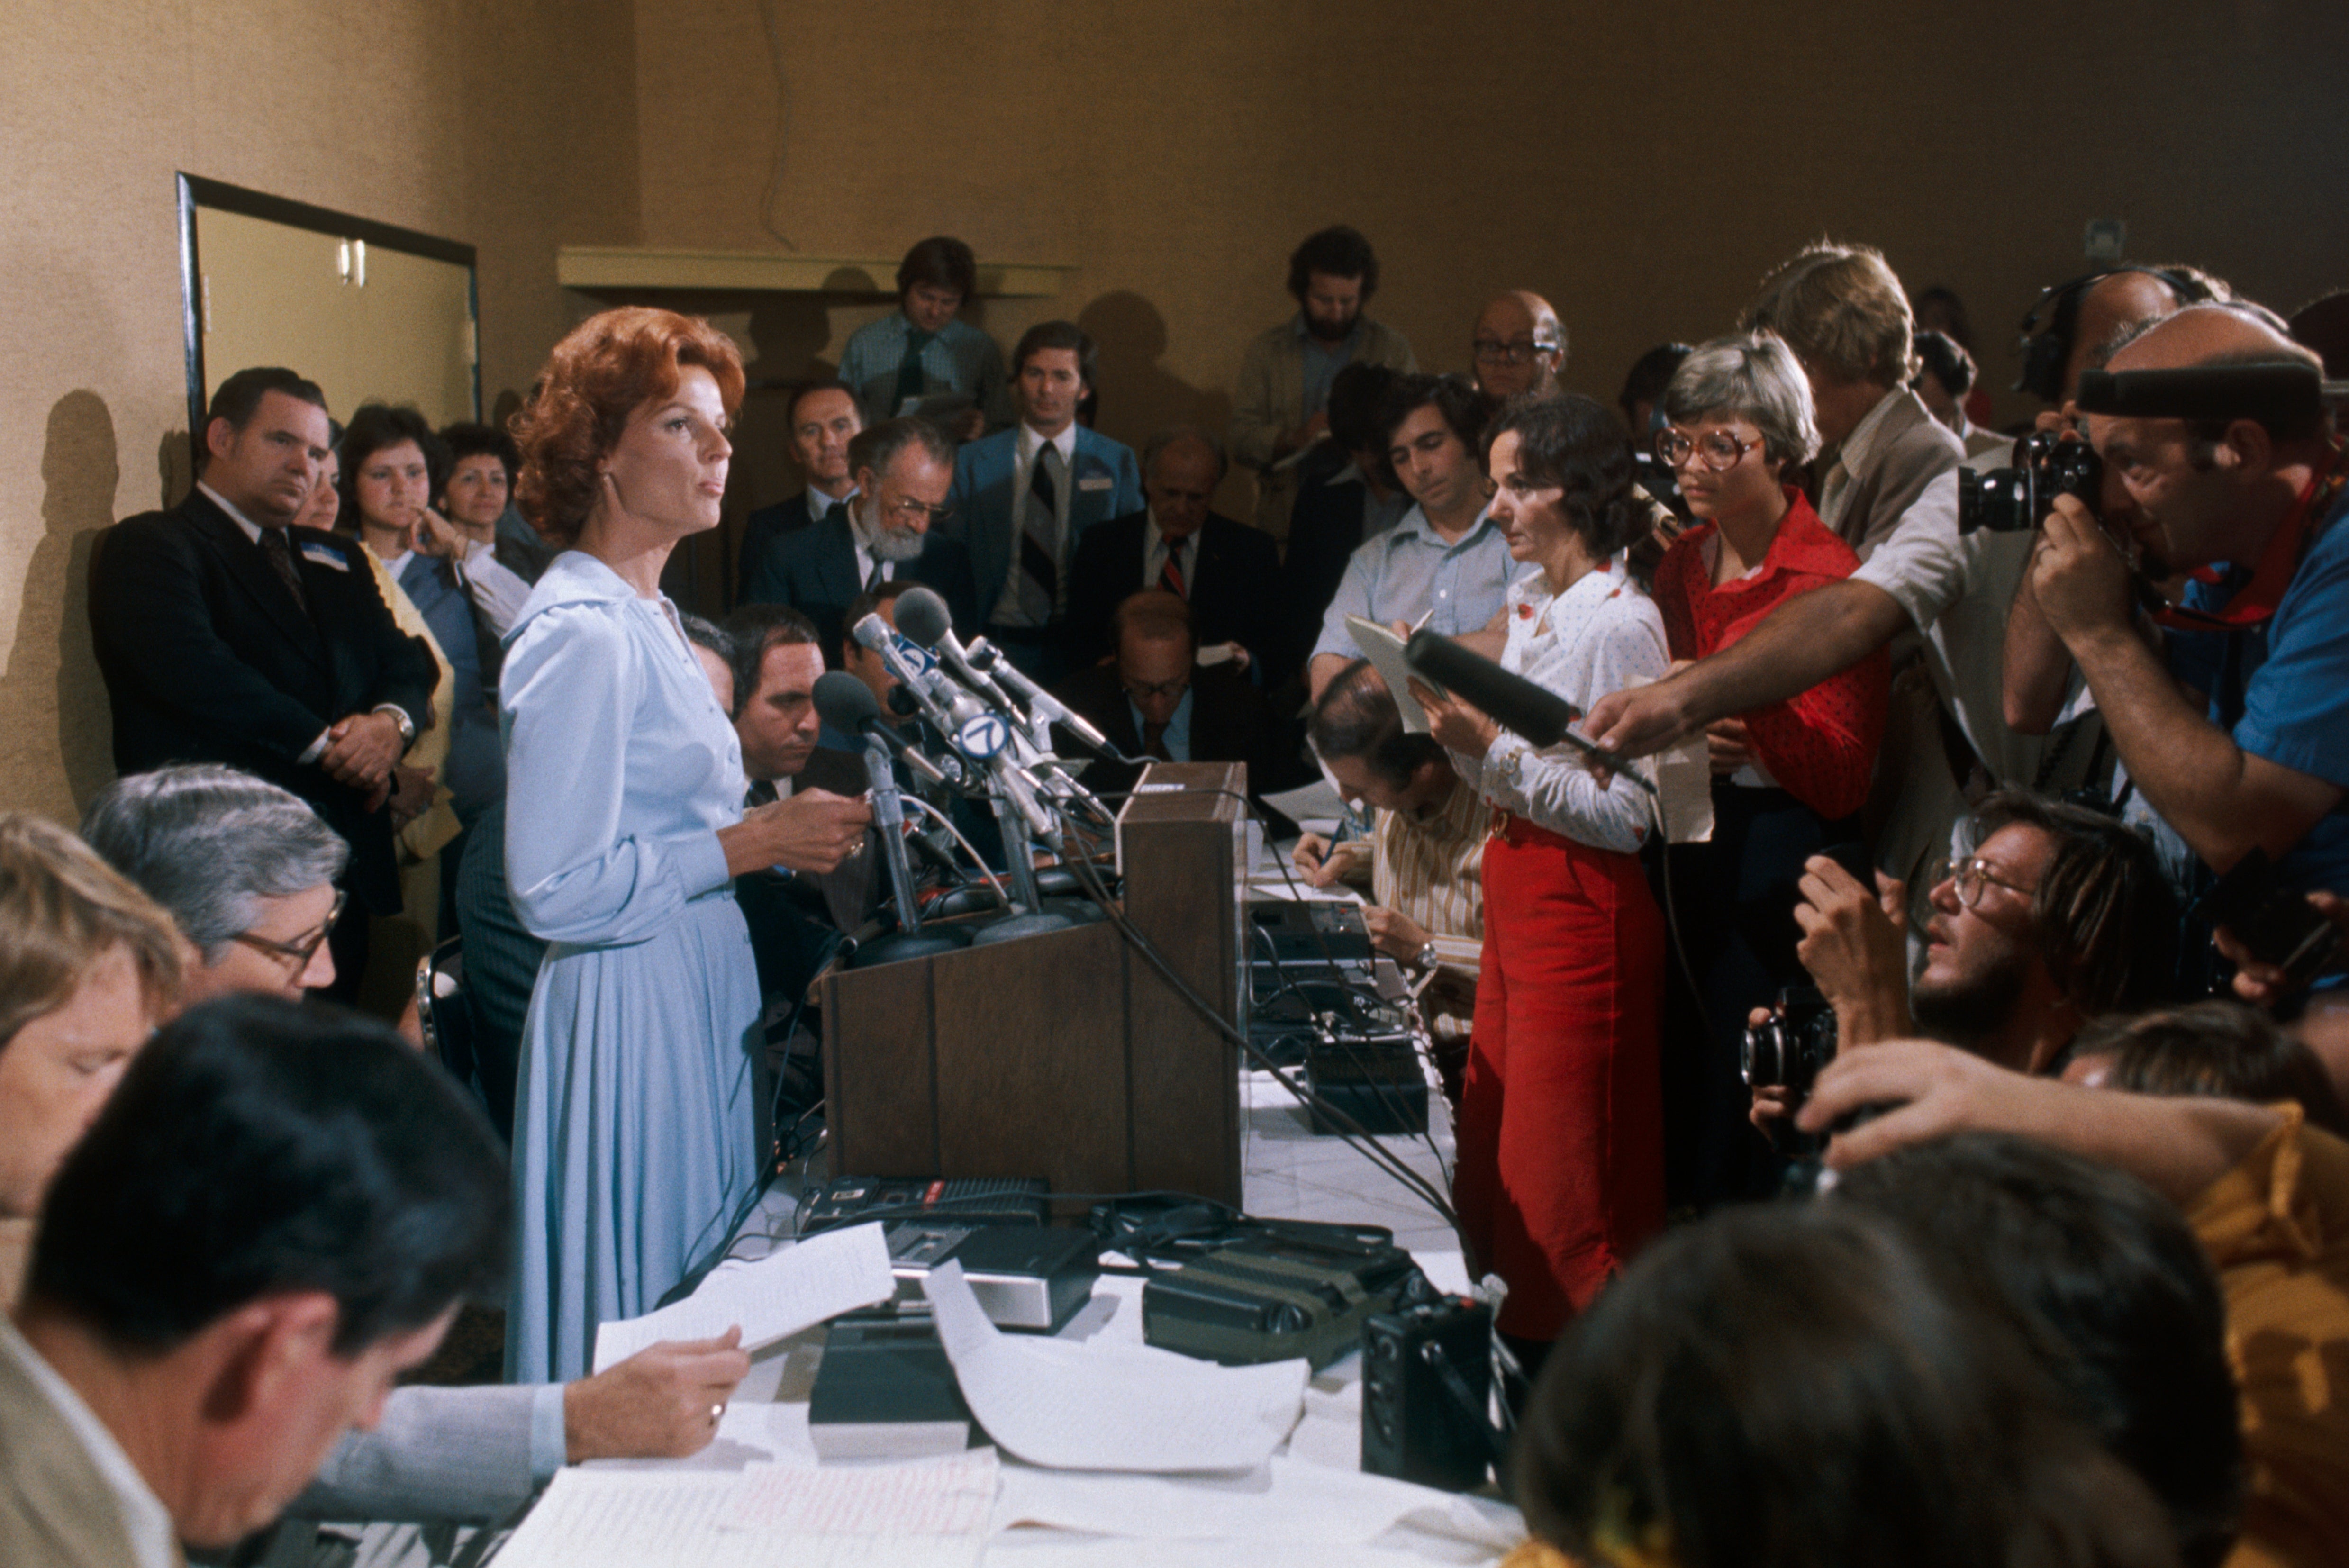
[[246, 870]]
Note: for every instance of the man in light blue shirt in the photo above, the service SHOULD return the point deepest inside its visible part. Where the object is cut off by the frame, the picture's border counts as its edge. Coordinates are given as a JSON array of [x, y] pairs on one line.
[[1446, 559], [922, 358]]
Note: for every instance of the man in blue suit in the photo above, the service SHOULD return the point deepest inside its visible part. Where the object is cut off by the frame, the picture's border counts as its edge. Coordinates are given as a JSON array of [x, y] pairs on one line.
[[904, 470], [1025, 494]]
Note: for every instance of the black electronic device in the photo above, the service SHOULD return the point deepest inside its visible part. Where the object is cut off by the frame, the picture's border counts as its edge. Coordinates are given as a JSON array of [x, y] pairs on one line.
[[2018, 499], [1275, 1296], [1312, 934], [1033, 1277], [1377, 1084], [884, 1390], [972, 1200], [1786, 1050], [2275, 924], [1427, 1389]]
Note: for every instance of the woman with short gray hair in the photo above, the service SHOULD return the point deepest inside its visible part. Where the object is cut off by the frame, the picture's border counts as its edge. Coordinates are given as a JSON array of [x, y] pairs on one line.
[[1789, 778], [247, 871]]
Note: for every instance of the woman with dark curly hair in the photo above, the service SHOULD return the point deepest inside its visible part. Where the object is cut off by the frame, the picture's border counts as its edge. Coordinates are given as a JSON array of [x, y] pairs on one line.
[[633, 1147], [1560, 1173]]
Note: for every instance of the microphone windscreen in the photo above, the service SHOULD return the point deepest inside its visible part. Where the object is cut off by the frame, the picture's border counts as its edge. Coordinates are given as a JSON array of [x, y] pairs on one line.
[[1516, 704], [845, 703], [922, 616]]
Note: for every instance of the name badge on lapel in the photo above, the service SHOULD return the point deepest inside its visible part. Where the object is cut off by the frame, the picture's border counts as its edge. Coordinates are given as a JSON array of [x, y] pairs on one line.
[[1096, 482], [324, 555]]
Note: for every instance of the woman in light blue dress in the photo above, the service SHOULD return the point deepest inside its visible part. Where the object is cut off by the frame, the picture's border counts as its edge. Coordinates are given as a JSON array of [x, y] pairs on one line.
[[632, 1148]]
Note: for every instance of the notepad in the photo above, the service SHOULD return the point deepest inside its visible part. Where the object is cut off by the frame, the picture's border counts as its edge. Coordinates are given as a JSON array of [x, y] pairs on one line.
[[1384, 650], [797, 1288]]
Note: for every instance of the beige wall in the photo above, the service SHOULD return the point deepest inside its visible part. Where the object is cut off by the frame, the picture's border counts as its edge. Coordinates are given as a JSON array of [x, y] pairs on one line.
[[510, 126], [1641, 165]]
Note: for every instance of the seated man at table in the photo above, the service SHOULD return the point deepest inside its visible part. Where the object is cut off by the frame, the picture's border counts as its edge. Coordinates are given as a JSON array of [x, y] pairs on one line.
[[1426, 856], [245, 870], [276, 1214], [1155, 702]]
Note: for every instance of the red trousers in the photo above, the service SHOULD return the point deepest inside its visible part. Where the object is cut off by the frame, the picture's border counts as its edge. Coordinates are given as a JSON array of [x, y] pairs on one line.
[[1560, 1175]]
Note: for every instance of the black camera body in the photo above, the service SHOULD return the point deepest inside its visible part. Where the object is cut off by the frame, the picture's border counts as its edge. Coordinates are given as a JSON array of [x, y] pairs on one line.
[[2017, 499], [1786, 1050], [1420, 1424]]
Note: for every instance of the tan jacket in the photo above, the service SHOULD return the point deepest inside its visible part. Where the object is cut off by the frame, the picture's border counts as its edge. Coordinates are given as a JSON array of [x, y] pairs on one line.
[[1269, 396], [57, 1510]]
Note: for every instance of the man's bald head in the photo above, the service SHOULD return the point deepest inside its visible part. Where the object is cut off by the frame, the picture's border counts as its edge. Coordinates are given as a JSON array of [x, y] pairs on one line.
[[2109, 307], [1519, 345], [2214, 334]]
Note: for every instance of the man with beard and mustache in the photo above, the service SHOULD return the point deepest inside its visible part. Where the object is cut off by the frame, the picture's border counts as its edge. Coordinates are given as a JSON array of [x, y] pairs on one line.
[[2060, 914], [1280, 406], [902, 470]]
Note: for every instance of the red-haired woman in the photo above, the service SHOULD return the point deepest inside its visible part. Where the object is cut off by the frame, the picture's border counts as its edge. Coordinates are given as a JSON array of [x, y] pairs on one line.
[[633, 1147]]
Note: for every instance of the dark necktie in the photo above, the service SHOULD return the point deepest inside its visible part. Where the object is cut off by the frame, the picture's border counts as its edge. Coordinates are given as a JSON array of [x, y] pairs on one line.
[[1153, 741], [1170, 576], [762, 793], [910, 380], [280, 550], [875, 578], [1040, 540]]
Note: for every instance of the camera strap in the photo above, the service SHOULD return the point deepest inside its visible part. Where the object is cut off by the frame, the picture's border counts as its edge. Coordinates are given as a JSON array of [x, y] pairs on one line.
[[2255, 603]]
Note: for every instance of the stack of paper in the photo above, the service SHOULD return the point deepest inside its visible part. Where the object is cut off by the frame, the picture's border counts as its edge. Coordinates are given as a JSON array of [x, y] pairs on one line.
[[774, 1298], [1095, 1405]]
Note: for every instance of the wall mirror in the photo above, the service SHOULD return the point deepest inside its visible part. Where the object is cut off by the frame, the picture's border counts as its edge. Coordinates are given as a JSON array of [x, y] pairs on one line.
[[370, 312]]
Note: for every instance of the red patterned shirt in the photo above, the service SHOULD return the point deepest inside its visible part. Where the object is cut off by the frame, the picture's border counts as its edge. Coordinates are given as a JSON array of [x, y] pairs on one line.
[[1820, 746]]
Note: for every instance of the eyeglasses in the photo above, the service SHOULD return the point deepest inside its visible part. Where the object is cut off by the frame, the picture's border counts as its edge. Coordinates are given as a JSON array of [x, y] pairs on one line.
[[1141, 690], [1717, 451], [908, 509], [296, 955], [1493, 351], [1971, 874]]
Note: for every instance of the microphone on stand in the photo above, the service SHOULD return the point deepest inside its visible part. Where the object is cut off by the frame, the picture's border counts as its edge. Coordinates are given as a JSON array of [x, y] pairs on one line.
[[846, 703], [923, 619], [1041, 703]]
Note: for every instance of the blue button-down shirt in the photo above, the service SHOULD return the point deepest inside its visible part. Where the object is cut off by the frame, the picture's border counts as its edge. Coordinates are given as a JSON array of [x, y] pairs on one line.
[[1410, 570], [960, 358]]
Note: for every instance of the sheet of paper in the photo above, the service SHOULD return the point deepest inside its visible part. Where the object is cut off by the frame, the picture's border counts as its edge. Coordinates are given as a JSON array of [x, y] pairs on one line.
[[1288, 1502], [639, 1519], [1384, 650], [949, 1496], [796, 1288], [1106, 1407]]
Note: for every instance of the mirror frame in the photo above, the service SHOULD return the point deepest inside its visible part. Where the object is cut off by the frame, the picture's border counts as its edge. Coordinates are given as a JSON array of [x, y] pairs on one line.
[[198, 191]]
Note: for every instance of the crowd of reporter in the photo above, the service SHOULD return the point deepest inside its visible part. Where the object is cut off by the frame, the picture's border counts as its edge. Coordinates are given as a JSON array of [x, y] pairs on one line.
[[2064, 1276]]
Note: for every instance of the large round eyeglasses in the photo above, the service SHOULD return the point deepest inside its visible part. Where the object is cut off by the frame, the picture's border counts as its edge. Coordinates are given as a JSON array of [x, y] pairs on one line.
[[1715, 451]]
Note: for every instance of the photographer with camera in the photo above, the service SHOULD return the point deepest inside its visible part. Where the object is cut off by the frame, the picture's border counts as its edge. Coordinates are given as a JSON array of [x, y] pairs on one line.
[[2236, 728], [2060, 914]]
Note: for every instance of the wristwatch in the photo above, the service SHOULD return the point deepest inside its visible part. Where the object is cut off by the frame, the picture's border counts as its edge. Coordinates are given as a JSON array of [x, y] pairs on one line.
[[1427, 957], [400, 716]]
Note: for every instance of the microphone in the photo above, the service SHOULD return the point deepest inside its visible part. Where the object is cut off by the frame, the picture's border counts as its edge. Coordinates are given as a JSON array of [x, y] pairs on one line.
[[848, 705], [840, 696], [976, 731], [923, 618], [1041, 703], [1516, 704]]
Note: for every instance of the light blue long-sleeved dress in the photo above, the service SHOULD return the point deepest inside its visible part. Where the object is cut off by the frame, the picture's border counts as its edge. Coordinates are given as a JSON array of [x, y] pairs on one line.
[[633, 1144]]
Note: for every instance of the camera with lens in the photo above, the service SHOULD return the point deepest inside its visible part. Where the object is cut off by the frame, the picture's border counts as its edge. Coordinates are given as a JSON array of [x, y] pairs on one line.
[[2016, 499], [1786, 1050]]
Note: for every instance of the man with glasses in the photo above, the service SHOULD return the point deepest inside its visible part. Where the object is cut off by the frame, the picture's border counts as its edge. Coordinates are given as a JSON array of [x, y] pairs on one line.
[[903, 470], [1519, 346], [1155, 703], [2057, 915]]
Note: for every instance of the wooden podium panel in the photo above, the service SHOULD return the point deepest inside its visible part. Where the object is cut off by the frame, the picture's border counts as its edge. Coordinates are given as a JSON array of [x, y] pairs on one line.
[[1063, 1055]]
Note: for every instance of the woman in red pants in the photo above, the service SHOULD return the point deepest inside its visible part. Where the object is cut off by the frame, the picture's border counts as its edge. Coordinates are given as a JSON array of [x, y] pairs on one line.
[[1561, 1174]]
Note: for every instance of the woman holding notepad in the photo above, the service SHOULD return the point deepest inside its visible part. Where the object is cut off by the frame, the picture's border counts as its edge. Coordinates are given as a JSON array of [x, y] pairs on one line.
[[1561, 1173]]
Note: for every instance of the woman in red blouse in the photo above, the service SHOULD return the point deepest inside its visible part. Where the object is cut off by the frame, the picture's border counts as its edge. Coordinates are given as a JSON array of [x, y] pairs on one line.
[[1789, 780]]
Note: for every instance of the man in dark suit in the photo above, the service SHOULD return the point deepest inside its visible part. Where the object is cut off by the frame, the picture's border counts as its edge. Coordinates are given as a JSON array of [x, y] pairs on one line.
[[1155, 702], [903, 470], [1226, 571], [226, 634], [823, 418], [1026, 495]]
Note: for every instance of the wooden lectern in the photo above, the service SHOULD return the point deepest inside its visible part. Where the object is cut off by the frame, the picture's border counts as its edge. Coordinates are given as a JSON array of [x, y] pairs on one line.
[[1065, 1055]]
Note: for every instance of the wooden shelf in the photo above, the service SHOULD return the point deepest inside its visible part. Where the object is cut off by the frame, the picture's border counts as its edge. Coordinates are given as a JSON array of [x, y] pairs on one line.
[[631, 267]]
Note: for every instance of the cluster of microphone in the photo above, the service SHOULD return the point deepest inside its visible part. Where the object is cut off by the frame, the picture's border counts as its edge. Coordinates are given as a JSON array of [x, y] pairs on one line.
[[994, 726]]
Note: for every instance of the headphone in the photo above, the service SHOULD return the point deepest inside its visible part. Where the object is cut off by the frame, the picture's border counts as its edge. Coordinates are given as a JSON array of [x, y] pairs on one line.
[[2044, 349]]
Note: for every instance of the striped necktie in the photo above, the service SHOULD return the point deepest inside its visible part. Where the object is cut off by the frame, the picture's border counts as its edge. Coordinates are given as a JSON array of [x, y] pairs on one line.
[[1040, 538], [1170, 576]]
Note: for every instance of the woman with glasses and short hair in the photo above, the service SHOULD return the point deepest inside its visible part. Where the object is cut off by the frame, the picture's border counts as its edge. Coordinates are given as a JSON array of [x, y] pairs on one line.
[[1789, 780], [1561, 1173]]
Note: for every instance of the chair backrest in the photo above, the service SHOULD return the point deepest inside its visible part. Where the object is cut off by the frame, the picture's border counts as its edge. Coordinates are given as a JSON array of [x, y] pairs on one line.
[[447, 1022]]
